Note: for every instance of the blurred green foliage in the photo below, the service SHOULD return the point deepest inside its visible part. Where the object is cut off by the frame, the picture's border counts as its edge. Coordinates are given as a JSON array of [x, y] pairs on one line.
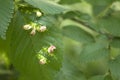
[[86, 34]]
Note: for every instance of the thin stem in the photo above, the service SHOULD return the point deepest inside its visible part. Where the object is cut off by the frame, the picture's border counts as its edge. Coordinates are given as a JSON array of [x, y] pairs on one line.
[[103, 13], [86, 27]]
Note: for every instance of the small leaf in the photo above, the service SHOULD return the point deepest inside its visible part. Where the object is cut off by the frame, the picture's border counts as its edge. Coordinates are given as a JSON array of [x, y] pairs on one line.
[[93, 52], [99, 77], [115, 48], [77, 34], [114, 52], [99, 5], [109, 25], [115, 43], [114, 68], [47, 7], [69, 71], [6, 10], [69, 1]]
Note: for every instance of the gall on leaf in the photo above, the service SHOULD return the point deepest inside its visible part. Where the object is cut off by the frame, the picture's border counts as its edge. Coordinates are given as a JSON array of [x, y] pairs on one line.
[[51, 49], [27, 27], [33, 32]]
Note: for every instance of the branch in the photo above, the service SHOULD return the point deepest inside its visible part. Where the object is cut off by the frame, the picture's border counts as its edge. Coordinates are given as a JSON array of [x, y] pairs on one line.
[[86, 27]]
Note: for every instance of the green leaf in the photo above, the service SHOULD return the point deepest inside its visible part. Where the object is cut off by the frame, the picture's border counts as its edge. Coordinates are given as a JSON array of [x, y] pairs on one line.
[[95, 2], [6, 10], [69, 1], [108, 77], [99, 77], [69, 71], [114, 52], [115, 43], [115, 48], [76, 33], [109, 25], [47, 7], [100, 5], [114, 68], [24, 48], [2, 46], [94, 51], [94, 57], [83, 7]]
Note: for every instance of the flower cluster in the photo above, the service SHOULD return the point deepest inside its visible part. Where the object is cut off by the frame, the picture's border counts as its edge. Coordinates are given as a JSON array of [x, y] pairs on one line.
[[44, 53], [34, 27]]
